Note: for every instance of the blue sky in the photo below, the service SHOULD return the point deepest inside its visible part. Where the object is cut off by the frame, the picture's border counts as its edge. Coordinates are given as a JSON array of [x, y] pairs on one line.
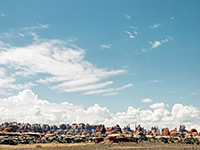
[[136, 50]]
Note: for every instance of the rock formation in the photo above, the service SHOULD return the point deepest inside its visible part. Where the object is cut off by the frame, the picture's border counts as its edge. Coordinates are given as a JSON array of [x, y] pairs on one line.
[[100, 129], [182, 130], [174, 133], [139, 131], [165, 132], [114, 130], [24, 133]]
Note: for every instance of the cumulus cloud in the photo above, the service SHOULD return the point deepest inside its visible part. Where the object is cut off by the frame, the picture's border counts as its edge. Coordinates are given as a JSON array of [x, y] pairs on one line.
[[106, 46], [146, 100], [27, 107], [158, 106], [59, 64]]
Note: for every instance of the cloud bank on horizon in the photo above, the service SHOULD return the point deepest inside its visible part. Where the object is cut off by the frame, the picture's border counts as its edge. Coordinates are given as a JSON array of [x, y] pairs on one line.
[[27, 107]]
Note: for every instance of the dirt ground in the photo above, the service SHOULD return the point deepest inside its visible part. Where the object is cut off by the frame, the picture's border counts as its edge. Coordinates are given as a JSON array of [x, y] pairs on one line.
[[92, 146]]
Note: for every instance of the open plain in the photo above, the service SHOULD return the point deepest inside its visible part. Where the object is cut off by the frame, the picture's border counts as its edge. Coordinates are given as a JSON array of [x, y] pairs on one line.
[[100, 146]]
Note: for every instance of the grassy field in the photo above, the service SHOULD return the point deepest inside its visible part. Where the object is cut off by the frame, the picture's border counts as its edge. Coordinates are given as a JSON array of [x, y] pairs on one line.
[[92, 146]]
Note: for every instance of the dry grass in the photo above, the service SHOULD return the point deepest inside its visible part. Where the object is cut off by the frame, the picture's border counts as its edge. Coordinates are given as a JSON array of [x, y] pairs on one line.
[[92, 146], [41, 146]]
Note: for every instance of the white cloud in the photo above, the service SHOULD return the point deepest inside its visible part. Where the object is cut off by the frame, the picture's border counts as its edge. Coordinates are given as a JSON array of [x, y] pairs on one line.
[[106, 46], [127, 16], [99, 91], [194, 93], [172, 18], [155, 26], [154, 81], [124, 87], [146, 100], [61, 64], [72, 39], [108, 90], [158, 106], [165, 40], [135, 32], [39, 26], [24, 31], [44, 26], [133, 27], [29, 108], [144, 50], [3, 15], [158, 43], [109, 94], [8, 82], [88, 87], [130, 34], [155, 44], [185, 113]]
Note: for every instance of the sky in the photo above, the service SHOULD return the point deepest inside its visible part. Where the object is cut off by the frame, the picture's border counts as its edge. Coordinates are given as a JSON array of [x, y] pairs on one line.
[[126, 62]]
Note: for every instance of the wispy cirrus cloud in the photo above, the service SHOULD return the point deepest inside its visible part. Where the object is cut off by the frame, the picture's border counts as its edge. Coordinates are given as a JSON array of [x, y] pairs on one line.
[[194, 93], [172, 18], [127, 16], [154, 81], [110, 94], [84, 87], [144, 50], [130, 34], [59, 64], [133, 27], [24, 31], [132, 31], [155, 44], [106, 46], [3, 15], [38, 26], [108, 90], [155, 26], [8, 82]]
